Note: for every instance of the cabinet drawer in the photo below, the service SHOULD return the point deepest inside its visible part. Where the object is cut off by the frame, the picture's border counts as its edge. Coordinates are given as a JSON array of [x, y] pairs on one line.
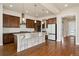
[[8, 38]]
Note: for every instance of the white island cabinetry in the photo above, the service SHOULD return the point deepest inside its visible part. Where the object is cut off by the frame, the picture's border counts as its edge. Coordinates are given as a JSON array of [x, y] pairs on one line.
[[27, 40]]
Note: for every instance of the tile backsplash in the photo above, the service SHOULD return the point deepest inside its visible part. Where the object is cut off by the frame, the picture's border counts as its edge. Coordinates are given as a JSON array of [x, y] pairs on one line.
[[11, 30]]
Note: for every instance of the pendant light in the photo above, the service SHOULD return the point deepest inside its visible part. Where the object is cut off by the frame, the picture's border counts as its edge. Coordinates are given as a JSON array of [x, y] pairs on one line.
[[23, 19], [42, 22], [35, 21], [23, 16], [35, 13]]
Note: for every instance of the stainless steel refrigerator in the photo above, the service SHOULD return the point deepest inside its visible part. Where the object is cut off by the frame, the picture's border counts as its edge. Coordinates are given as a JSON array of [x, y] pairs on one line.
[[52, 30]]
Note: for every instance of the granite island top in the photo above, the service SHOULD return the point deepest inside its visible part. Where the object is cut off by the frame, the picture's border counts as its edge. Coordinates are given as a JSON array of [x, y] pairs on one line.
[[21, 32]]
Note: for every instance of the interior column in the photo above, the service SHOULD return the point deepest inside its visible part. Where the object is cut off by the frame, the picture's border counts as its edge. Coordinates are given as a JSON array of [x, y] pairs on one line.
[[1, 24]]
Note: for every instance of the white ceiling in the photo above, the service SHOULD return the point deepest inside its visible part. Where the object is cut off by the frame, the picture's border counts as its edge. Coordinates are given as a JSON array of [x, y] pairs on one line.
[[29, 9], [69, 18], [61, 6], [40, 10]]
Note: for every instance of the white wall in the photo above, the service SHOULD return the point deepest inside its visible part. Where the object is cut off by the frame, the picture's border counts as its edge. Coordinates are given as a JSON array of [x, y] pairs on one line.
[[67, 12], [11, 12], [69, 26], [72, 28], [1, 24], [77, 30], [65, 27]]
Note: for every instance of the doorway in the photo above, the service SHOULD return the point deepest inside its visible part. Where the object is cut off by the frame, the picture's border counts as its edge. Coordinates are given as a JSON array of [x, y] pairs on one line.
[[69, 29]]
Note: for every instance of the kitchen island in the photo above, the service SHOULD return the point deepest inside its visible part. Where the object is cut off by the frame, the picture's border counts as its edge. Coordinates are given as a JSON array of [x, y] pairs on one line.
[[25, 40]]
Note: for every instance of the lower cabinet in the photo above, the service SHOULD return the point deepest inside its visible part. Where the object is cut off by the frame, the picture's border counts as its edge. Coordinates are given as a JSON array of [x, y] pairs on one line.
[[35, 41], [8, 38], [28, 40]]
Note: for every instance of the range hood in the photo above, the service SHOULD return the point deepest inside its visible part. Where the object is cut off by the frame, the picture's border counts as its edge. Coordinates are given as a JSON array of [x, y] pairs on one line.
[[23, 23]]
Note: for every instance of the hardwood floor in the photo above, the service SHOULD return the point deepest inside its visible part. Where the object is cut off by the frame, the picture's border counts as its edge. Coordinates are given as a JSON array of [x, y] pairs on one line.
[[7, 49], [49, 48]]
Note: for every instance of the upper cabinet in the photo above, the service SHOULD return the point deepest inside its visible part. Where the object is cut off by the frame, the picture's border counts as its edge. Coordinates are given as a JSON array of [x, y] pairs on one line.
[[38, 26], [30, 23], [43, 25], [52, 21], [11, 21], [46, 23]]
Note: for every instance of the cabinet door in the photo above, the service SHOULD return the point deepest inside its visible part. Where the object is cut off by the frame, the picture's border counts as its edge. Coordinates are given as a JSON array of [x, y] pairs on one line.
[[52, 21], [30, 23], [5, 20], [11, 21], [38, 26], [8, 38], [15, 21], [46, 23]]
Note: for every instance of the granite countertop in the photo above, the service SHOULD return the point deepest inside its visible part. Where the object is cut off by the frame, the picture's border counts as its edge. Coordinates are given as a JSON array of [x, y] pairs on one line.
[[19, 32], [22, 32]]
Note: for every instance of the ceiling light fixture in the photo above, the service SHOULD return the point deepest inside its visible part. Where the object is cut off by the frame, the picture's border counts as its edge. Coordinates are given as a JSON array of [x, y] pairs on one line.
[[26, 11], [35, 21], [11, 5], [35, 6], [47, 12], [66, 5], [23, 19], [23, 16], [42, 22]]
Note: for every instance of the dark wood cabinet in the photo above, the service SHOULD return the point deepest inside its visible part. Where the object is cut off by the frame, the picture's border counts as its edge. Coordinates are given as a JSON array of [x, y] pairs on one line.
[[38, 26], [30, 23], [46, 23], [5, 20], [11, 21], [52, 21], [8, 38], [43, 25]]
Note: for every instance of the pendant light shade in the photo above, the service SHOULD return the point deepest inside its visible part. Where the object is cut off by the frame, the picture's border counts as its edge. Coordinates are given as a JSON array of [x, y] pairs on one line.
[[23, 19], [23, 15], [35, 21]]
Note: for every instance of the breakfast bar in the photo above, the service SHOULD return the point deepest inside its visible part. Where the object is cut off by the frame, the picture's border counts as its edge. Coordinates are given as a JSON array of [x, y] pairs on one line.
[[26, 40]]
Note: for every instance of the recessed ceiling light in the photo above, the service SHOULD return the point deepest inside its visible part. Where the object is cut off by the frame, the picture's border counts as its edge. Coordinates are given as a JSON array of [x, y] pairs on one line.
[[47, 12], [11, 5], [66, 5], [26, 11]]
